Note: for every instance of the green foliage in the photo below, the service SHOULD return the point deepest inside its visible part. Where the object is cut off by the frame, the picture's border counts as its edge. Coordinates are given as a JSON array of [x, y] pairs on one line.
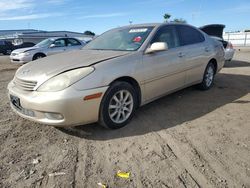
[[89, 33], [179, 20], [167, 17]]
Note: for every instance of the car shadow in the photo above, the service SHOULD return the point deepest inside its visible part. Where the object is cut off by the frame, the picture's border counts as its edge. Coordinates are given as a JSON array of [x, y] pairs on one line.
[[233, 64], [172, 110]]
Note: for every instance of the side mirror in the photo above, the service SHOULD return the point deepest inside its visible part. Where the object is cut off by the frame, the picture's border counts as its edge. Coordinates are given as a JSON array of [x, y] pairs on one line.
[[52, 46], [156, 47]]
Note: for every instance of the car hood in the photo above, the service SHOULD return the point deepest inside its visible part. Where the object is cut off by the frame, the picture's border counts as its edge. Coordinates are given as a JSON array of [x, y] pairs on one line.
[[22, 50], [45, 68], [213, 30]]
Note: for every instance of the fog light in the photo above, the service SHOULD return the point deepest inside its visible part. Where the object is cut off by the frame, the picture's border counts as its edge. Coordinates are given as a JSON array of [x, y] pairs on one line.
[[53, 116], [27, 112]]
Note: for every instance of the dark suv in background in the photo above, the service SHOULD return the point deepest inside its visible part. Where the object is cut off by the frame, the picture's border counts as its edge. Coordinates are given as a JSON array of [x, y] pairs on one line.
[[6, 47]]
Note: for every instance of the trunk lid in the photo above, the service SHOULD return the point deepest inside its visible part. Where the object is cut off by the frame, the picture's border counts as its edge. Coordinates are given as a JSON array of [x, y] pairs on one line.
[[215, 30]]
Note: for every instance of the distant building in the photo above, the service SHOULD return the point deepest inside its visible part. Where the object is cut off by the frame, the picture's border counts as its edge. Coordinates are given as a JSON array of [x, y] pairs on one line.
[[35, 36], [4, 33]]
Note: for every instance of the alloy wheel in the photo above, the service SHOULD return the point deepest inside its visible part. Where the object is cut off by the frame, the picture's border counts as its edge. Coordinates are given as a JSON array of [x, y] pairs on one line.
[[209, 76], [121, 106]]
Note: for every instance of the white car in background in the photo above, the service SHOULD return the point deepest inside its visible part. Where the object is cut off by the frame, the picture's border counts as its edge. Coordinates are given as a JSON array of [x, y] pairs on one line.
[[216, 32], [45, 48]]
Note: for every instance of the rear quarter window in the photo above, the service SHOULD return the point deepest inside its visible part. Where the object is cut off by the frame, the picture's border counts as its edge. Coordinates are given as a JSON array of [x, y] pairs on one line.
[[189, 35]]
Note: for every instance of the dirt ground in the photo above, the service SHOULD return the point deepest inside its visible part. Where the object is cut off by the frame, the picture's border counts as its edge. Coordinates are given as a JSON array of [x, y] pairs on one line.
[[191, 138]]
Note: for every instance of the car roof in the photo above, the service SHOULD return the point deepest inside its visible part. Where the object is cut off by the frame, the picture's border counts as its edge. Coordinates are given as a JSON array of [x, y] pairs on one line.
[[55, 38], [154, 24]]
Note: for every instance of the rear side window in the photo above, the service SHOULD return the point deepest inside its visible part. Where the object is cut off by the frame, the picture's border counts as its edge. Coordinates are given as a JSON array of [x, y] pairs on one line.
[[73, 42], [167, 34], [189, 35]]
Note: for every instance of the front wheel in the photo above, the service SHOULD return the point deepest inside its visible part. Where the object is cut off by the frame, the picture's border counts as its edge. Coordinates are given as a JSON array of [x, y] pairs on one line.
[[208, 77], [118, 105], [38, 56]]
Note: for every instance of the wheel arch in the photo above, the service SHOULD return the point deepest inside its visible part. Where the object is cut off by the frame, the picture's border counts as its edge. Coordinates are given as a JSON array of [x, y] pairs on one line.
[[38, 53], [132, 82], [214, 62]]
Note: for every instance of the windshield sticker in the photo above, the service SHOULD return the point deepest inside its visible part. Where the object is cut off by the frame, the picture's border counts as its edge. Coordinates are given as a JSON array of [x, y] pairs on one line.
[[141, 30], [137, 39]]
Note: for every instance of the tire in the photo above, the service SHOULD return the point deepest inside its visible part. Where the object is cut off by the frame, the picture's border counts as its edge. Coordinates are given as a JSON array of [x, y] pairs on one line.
[[113, 106], [208, 77], [38, 56]]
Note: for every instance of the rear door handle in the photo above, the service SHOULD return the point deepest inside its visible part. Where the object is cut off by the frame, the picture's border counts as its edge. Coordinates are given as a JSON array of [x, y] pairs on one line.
[[181, 54]]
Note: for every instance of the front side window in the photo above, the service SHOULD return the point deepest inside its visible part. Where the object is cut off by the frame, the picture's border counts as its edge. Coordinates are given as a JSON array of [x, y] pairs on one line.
[[73, 42], [44, 43], [167, 34], [189, 35], [59, 43], [124, 39]]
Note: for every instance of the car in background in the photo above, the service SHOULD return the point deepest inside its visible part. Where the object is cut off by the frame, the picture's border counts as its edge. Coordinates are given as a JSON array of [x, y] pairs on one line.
[[216, 32], [6, 47], [45, 48], [24, 45], [114, 74]]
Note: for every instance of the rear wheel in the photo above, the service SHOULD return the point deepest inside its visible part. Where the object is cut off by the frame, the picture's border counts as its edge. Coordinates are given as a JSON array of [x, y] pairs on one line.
[[118, 105], [208, 77]]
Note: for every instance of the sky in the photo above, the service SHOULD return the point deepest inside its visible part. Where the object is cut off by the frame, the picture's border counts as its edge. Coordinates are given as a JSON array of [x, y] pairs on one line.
[[101, 15]]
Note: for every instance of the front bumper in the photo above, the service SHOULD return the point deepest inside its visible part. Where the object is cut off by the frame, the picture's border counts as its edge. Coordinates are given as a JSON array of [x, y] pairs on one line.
[[20, 59], [68, 103]]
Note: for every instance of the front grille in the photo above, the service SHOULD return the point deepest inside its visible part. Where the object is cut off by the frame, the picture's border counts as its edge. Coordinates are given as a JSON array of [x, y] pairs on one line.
[[25, 84]]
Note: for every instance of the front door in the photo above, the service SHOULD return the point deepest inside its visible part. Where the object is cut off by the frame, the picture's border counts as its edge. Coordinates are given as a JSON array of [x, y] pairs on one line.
[[58, 47], [165, 70]]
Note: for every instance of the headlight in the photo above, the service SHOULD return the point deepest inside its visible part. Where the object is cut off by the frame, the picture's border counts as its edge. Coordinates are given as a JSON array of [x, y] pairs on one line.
[[24, 54], [65, 79]]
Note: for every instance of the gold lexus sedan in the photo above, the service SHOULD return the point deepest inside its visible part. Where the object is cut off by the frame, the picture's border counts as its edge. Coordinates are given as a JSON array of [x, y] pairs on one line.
[[114, 74]]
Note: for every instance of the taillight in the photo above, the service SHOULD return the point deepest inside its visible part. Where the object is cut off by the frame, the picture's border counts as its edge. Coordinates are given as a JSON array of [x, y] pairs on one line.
[[230, 45]]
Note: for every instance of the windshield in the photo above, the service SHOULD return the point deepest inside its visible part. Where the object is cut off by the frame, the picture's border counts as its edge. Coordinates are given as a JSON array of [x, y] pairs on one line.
[[44, 43], [126, 39]]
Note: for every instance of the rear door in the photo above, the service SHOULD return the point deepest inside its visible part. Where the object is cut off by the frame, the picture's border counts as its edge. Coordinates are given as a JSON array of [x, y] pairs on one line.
[[196, 51], [164, 70]]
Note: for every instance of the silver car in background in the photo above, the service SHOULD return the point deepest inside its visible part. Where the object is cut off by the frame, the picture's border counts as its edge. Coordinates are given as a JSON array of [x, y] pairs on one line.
[[45, 48], [114, 74]]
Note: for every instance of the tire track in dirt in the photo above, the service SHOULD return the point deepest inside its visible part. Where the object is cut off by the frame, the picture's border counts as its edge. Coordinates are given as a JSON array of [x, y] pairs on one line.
[[195, 163], [185, 177]]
